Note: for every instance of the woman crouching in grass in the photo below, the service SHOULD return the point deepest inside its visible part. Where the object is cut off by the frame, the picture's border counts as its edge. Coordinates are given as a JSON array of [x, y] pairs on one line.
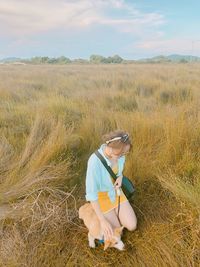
[[101, 187]]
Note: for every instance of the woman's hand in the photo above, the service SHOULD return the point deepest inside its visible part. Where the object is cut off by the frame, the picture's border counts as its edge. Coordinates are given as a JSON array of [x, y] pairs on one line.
[[107, 229], [118, 182]]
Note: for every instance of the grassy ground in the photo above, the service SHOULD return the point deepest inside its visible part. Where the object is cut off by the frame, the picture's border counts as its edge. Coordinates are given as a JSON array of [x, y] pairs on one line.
[[52, 118]]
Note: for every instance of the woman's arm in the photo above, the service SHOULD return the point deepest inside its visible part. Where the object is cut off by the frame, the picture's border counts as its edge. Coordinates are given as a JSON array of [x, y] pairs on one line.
[[105, 225], [93, 175], [92, 180]]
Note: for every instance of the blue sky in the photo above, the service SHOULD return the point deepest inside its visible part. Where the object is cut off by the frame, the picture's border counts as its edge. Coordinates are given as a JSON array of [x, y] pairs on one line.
[[80, 28]]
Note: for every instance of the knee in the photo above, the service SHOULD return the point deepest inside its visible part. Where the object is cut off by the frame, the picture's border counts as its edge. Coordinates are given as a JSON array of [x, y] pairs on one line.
[[132, 227]]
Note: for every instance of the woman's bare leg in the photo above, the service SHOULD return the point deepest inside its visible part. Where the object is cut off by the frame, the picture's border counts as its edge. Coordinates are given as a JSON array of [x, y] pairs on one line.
[[112, 218], [127, 216]]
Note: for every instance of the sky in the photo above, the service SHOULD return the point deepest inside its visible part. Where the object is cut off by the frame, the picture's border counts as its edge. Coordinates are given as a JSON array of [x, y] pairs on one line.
[[80, 28]]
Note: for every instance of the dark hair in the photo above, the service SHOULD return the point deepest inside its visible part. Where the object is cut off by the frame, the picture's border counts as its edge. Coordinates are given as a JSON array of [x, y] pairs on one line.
[[119, 144]]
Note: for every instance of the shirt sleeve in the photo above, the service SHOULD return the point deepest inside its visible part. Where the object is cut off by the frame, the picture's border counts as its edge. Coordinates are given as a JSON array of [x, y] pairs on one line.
[[92, 184]]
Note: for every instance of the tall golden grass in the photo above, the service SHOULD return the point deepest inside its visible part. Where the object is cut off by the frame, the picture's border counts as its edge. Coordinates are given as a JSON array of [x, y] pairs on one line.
[[52, 118]]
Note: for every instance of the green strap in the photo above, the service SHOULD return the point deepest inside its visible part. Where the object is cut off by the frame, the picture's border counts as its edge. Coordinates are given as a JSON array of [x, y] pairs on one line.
[[105, 164]]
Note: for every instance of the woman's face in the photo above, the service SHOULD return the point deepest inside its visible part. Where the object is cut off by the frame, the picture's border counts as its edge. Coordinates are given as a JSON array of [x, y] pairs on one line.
[[115, 153]]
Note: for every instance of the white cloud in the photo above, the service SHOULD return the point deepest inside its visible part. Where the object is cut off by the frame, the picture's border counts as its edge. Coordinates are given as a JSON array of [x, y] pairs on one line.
[[18, 17]]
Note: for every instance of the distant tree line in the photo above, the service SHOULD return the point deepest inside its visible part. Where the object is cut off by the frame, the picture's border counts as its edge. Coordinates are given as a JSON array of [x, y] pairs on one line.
[[98, 59], [65, 60], [42, 60], [101, 59]]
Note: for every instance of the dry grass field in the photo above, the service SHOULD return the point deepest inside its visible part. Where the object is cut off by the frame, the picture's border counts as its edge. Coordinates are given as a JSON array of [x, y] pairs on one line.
[[52, 118]]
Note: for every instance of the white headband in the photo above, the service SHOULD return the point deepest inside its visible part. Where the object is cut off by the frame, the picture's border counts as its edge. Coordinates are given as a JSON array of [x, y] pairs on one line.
[[124, 138]]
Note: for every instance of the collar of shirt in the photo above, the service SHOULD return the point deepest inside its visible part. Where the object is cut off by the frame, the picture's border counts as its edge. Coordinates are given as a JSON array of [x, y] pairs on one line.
[[101, 151]]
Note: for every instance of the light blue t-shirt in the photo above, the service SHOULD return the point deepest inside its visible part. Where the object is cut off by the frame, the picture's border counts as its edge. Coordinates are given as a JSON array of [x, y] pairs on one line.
[[98, 178]]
